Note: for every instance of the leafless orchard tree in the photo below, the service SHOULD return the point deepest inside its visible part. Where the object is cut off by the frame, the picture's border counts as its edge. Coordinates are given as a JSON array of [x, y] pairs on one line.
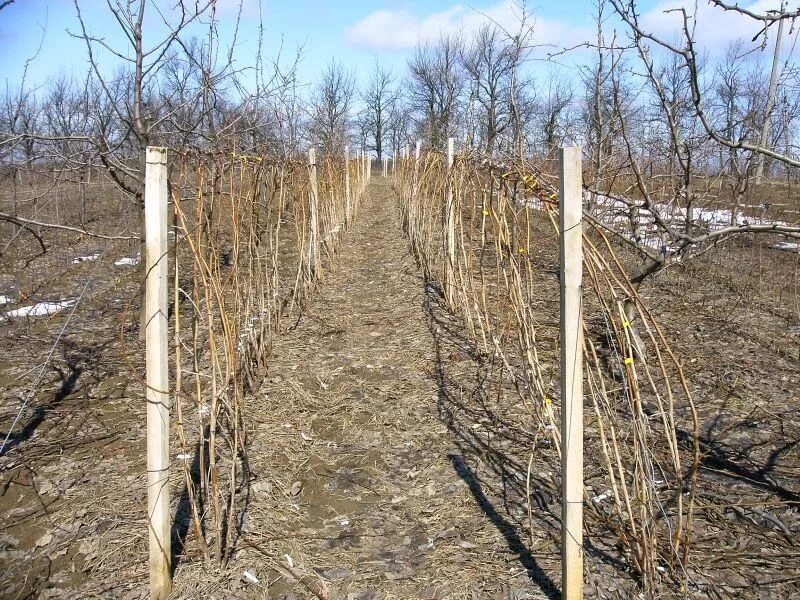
[[379, 97], [501, 99], [554, 121], [400, 124], [700, 119], [172, 82], [284, 108], [436, 83], [137, 120], [331, 107], [144, 60], [489, 67]]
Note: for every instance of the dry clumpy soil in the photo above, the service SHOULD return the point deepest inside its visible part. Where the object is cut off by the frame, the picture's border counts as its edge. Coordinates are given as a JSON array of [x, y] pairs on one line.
[[362, 490]]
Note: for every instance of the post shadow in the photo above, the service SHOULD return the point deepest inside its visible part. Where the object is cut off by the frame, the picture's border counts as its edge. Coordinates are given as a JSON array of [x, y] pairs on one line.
[[515, 544]]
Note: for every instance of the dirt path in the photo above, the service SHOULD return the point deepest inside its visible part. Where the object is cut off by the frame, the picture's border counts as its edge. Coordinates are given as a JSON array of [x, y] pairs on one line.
[[361, 488]]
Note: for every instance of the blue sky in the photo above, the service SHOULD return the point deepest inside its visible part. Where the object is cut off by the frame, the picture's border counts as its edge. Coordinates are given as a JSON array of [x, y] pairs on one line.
[[355, 32]]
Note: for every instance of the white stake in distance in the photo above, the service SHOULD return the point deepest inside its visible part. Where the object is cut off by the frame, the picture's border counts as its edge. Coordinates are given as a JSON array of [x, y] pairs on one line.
[[348, 205], [314, 260], [450, 231]]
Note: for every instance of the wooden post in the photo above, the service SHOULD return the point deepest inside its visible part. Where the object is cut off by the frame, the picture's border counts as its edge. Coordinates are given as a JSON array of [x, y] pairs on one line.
[[360, 171], [347, 201], [416, 168], [157, 394], [450, 231], [313, 251], [571, 249]]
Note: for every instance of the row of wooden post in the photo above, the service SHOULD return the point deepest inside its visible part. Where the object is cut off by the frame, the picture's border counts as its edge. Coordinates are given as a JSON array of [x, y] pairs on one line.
[[157, 326]]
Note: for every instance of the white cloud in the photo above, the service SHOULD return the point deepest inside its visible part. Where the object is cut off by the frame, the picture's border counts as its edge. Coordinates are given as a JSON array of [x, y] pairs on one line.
[[401, 29], [714, 29]]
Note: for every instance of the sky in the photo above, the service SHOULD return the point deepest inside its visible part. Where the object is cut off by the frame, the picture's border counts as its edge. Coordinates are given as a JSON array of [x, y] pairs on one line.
[[355, 32]]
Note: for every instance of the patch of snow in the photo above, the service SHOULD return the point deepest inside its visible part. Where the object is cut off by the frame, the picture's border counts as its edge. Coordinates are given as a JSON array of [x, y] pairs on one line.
[[250, 578], [87, 258], [127, 261], [602, 496], [5, 300], [617, 213], [790, 246], [39, 309]]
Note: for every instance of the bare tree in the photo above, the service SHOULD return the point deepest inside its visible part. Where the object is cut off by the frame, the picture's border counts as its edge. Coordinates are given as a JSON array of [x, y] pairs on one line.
[[436, 83], [285, 108], [143, 60], [379, 98], [553, 112], [331, 107], [488, 64], [687, 52], [399, 125], [665, 228]]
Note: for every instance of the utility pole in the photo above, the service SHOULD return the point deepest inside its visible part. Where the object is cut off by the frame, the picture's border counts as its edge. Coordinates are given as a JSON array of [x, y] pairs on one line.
[[773, 83]]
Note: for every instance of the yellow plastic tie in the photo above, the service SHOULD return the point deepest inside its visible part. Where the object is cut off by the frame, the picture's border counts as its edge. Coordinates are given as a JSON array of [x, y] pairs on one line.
[[626, 323], [486, 213], [553, 196], [629, 361], [547, 401], [522, 250]]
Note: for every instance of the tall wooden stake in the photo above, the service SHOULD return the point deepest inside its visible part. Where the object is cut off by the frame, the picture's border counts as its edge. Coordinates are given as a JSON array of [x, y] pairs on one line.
[[415, 187], [360, 171], [156, 329], [571, 247], [348, 205], [450, 231], [313, 241]]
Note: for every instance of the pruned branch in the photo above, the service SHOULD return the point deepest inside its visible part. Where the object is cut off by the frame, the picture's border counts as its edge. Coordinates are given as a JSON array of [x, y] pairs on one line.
[[26, 223]]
